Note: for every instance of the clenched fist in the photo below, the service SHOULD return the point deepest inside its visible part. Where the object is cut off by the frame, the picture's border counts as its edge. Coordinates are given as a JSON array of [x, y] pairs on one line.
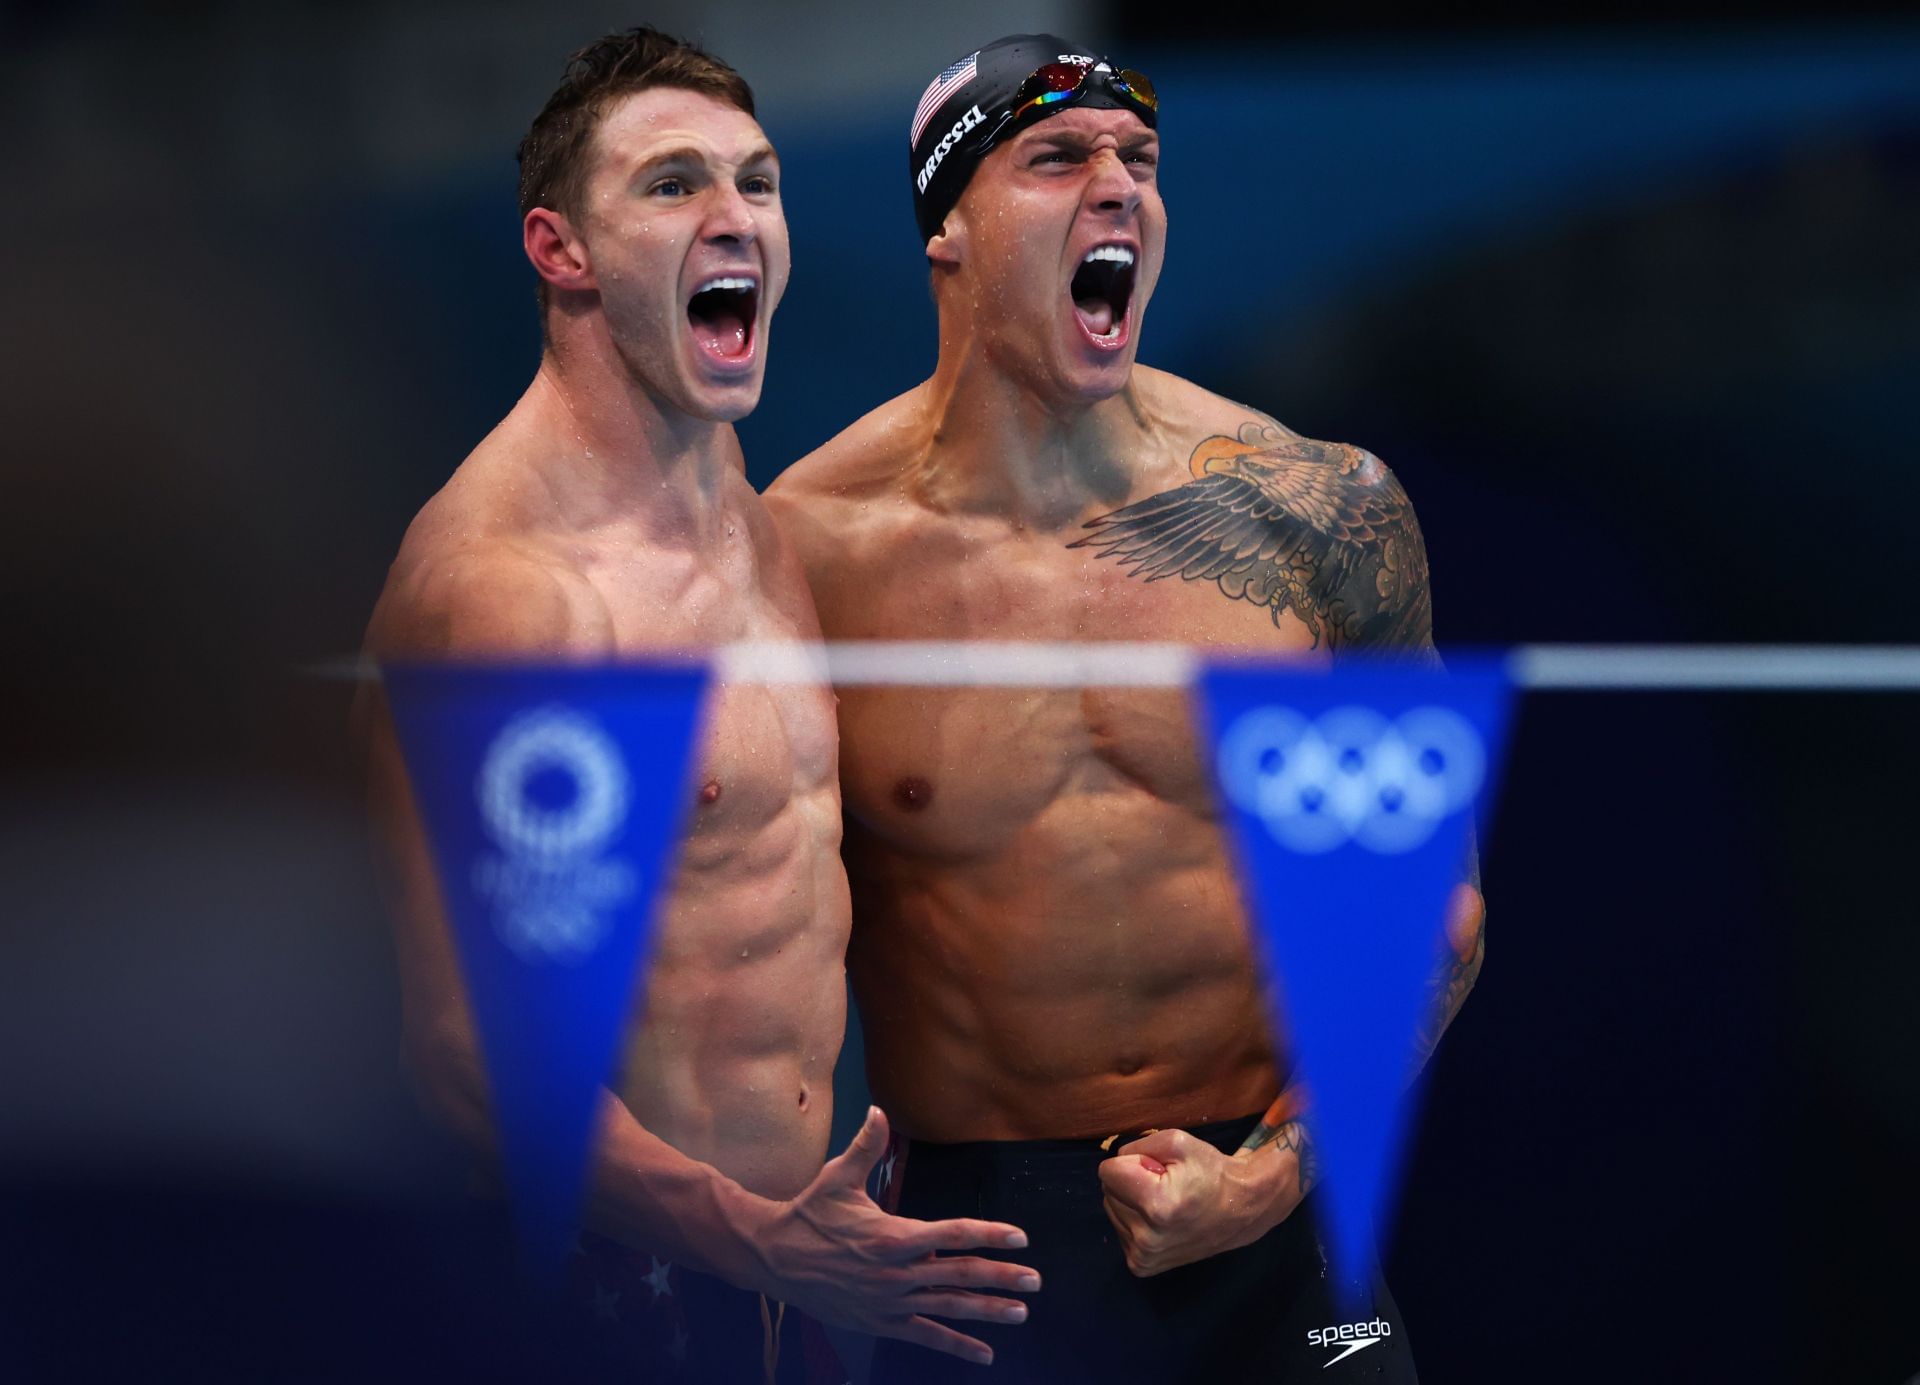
[[1176, 1199]]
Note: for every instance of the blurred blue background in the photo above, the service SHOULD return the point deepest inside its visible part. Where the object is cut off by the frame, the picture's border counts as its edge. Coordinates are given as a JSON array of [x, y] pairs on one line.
[[1633, 308]]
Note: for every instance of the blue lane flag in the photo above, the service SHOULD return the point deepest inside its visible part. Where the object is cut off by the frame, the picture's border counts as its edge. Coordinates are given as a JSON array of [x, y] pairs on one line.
[[1349, 795], [552, 798]]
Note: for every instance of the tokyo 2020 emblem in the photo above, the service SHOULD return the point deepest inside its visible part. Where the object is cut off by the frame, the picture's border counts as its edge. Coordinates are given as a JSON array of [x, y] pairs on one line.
[[553, 793]]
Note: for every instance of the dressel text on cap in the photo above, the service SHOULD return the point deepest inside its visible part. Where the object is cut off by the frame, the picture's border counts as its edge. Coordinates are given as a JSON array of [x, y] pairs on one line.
[[947, 141]]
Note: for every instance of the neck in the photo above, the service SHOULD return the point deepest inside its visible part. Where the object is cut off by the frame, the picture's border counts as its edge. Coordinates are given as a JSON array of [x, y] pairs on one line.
[[996, 445], [608, 447]]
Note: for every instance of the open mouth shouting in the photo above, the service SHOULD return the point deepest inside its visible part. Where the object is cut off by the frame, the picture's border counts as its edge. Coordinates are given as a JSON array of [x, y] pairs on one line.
[[722, 314], [1102, 287]]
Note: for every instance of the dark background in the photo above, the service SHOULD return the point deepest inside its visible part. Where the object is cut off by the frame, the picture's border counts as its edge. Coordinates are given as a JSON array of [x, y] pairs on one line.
[[1630, 300]]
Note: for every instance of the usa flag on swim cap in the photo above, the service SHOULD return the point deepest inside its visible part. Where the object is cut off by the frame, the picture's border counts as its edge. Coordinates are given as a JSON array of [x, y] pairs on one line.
[[943, 86]]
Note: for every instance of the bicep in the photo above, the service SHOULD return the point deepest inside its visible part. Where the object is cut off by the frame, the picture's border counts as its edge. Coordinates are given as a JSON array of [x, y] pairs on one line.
[[466, 609], [1383, 602], [437, 1030]]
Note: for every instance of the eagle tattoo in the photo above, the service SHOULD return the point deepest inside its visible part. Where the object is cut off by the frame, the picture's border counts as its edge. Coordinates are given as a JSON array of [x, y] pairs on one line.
[[1321, 529]]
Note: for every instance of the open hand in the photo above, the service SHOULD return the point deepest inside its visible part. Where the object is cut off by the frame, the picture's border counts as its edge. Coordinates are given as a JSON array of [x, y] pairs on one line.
[[835, 1253]]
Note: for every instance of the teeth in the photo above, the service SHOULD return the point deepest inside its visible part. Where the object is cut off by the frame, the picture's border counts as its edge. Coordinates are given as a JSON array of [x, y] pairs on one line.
[[1119, 254], [735, 284]]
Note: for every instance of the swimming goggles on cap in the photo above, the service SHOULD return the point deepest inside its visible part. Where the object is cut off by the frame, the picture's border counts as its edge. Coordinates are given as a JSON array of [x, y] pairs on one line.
[[1060, 82]]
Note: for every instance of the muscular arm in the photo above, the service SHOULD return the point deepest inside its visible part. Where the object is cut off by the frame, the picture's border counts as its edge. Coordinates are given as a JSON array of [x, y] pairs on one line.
[[1388, 607], [1462, 954], [1381, 606]]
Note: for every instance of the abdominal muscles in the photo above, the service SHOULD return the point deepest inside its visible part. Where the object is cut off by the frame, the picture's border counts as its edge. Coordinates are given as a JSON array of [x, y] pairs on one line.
[[1090, 974], [745, 1006]]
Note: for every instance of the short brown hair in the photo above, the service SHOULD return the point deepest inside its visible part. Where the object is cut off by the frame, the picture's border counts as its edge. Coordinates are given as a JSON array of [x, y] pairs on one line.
[[554, 158]]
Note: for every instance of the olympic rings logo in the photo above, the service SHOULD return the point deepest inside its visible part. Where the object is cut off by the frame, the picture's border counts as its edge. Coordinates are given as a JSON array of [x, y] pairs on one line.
[[549, 739], [1351, 775]]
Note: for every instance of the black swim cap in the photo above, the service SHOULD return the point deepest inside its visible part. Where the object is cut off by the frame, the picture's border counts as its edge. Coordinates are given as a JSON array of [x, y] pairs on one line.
[[965, 111]]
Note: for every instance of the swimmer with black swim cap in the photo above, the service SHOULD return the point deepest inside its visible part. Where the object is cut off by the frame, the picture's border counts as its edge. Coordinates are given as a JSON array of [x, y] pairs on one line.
[[1061, 1007], [993, 94]]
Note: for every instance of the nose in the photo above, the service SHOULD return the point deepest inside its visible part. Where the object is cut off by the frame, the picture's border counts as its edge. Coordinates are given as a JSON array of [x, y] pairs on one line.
[[729, 216], [1112, 187]]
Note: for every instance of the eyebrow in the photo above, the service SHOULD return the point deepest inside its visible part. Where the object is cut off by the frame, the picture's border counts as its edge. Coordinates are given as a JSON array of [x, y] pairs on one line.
[[1039, 134], [686, 156]]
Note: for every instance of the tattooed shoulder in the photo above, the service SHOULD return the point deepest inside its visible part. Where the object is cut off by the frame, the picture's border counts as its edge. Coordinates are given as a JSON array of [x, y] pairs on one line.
[[1287, 523], [1263, 430]]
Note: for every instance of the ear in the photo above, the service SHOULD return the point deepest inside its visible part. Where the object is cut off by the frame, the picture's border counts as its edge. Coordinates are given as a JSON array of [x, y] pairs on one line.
[[950, 241], [558, 253]]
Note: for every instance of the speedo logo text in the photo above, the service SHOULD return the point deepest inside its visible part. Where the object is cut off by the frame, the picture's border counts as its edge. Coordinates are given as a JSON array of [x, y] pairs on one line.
[[1350, 1337]]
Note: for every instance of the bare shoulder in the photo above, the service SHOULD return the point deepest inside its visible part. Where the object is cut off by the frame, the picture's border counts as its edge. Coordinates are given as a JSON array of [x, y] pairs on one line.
[[489, 599], [782, 577], [461, 586], [1210, 428], [860, 460], [838, 499], [1207, 419]]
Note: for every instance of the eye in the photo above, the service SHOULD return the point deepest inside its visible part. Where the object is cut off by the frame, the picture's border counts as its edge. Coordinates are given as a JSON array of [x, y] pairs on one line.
[[759, 185], [669, 187], [1054, 156]]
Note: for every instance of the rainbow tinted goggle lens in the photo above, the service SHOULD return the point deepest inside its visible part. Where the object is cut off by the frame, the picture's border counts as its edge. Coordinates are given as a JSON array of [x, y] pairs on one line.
[[1058, 83]]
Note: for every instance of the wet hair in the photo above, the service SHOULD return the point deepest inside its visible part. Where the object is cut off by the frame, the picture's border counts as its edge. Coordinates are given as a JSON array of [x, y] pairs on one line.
[[556, 154]]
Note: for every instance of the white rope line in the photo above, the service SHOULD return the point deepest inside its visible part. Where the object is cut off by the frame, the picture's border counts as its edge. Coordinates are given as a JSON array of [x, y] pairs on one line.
[[961, 663], [1722, 667], [1125, 664]]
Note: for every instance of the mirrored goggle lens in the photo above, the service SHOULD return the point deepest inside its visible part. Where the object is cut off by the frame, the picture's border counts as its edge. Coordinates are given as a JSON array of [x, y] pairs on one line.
[[1136, 86], [1055, 80], [1049, 85]]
